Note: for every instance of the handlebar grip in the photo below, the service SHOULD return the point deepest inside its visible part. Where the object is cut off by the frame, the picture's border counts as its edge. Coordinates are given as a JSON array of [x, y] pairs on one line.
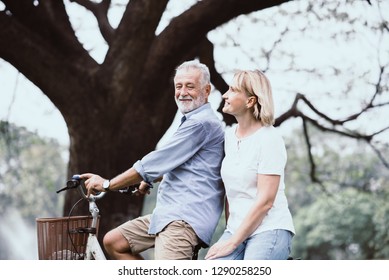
[[71, 184], [82, 188], [79, 183]]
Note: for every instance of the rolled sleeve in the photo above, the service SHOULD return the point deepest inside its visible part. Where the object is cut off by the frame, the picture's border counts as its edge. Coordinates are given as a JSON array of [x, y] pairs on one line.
[[181, 147], [138, 166]]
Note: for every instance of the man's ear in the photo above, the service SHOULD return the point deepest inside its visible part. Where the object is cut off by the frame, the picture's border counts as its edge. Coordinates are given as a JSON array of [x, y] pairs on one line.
[[208, 89]]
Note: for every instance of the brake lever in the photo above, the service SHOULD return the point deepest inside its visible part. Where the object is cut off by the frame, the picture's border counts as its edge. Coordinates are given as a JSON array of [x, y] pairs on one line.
[[71, 184], [134, 192], [63, 189]]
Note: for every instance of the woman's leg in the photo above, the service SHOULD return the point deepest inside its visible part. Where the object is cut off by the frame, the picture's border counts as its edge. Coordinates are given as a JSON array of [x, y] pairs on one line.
[[269, 245]]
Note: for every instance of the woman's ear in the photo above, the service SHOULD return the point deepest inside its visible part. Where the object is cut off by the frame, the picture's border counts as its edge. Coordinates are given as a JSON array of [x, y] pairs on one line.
[[251, 101]]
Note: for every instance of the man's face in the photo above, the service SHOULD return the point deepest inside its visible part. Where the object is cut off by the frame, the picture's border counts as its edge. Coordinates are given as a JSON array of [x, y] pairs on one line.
[[189, 94]]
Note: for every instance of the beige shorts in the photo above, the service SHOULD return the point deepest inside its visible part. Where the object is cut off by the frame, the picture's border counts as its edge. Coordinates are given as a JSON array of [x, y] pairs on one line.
[[175, 242]]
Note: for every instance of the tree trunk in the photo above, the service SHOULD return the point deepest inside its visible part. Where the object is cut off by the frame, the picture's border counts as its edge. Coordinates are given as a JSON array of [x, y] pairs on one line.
[[108, 143]]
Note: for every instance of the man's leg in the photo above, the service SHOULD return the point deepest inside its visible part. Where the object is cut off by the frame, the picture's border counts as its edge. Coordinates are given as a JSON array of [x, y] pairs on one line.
[[118, 247], [128, 240], [176, 242]]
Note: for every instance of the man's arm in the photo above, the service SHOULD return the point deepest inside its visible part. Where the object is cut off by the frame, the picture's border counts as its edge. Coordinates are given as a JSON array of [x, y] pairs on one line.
[[94, 183], [182, 146]]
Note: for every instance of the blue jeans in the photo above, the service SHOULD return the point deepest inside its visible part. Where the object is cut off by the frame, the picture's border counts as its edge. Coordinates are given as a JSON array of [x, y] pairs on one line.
[[268, 245]]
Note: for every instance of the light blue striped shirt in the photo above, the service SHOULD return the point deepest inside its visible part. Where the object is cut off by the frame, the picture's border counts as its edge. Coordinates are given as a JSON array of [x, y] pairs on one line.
[[191, 189]]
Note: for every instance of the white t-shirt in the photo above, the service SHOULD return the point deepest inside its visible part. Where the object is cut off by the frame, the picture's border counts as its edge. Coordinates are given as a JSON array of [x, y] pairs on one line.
[[263, 152]]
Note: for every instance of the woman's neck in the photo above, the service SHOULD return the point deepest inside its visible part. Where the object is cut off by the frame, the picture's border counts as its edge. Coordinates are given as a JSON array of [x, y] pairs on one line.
[[247, 125]]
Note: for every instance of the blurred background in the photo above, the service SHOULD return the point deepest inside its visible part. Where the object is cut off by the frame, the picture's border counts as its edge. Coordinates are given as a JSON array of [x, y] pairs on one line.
[[71, 69]]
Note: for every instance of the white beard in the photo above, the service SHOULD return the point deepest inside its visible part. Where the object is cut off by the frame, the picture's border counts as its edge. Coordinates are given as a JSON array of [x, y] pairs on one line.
[[187, 106]]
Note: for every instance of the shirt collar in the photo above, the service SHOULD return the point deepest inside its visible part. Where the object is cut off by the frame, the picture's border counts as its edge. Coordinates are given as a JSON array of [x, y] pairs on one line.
[[206, 106]]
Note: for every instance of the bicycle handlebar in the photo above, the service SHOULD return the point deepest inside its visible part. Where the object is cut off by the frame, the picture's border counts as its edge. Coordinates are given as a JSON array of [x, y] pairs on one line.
[[77, 182]]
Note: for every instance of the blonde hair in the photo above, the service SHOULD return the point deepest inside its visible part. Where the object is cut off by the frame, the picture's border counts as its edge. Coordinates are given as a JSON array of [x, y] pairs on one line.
[[255, 83]]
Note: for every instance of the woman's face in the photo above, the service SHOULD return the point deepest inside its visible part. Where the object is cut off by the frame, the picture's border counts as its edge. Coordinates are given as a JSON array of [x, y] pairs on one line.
[[235, 102]]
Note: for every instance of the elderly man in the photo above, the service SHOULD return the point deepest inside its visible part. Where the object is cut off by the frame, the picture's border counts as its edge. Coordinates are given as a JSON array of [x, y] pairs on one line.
[[190, 195]]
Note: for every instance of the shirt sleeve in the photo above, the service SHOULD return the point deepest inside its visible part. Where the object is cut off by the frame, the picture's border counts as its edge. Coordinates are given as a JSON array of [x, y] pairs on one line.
[[272, 156], [185, 142]]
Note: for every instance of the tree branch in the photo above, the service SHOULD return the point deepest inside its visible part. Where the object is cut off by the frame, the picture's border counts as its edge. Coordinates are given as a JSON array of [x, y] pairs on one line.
[[295, 112], [123, 68], [100, 11], [40, 62], [312, 173], [205, 51], [370, 104], [49, 21], [191, 27], [380, 156]]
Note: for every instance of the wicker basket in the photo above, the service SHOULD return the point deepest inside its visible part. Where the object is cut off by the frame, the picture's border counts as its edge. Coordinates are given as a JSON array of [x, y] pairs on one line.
[[60, 239]]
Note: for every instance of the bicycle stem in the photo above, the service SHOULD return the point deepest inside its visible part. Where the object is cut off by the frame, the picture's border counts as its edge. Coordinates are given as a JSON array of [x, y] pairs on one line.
[[94, 210]]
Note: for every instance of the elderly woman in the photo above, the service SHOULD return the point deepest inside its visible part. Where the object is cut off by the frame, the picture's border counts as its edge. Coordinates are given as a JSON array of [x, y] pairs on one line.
[[259, 223]]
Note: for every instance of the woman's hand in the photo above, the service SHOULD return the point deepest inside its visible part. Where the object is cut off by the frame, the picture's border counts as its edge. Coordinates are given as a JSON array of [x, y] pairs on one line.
[[220, 249]]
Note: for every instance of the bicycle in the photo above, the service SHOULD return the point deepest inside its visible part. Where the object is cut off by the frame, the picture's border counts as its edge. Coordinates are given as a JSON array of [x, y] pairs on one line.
[[75, 237], [72, 237]]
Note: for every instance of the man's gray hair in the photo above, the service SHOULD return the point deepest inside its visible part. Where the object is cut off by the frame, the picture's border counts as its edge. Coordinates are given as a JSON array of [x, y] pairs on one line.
[[195, 64]]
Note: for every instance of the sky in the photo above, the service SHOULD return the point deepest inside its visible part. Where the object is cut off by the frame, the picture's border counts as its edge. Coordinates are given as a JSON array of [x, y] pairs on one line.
[[24, 104]]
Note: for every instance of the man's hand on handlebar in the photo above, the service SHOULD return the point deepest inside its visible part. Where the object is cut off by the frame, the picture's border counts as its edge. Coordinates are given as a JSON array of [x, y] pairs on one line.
[[93, 183], [142, 189]]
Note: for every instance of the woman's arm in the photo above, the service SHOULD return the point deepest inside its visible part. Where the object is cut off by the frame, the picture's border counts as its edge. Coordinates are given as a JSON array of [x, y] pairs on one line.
[[267, 187]]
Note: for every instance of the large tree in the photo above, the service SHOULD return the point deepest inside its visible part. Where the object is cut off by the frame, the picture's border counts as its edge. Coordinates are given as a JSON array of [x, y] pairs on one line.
[[117, 110]]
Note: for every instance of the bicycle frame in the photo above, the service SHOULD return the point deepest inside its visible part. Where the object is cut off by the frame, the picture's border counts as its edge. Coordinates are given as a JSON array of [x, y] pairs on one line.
[[93, 248]]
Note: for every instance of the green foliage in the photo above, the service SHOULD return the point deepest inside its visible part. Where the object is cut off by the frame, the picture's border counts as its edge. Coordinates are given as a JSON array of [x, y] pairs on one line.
[[346, 216], [350, 225], [381, 221], [340, 163], [31, 170]]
